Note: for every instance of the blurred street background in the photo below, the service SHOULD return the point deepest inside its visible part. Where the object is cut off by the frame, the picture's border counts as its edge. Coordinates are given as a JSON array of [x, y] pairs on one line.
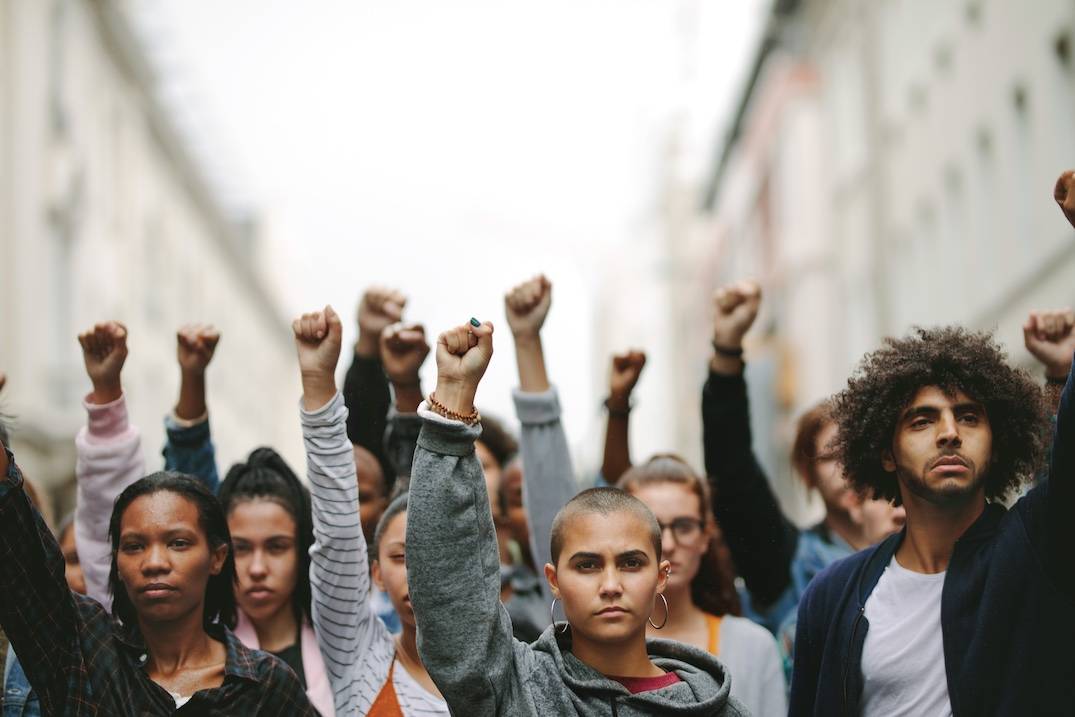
[[875, 165]]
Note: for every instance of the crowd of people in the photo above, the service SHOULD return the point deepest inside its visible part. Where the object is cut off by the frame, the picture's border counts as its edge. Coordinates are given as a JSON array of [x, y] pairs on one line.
[[433, 563]]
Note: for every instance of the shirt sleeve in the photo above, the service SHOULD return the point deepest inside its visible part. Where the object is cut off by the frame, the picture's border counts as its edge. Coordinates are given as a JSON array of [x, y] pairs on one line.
[[1061, 491], [37, 610], [109, 458], [453, 570], [189, 449], [400, 439], [367, 397], [548, 476]]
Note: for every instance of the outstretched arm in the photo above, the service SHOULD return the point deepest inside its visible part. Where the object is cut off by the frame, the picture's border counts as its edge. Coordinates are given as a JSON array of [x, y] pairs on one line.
[[761, 540], [548, 476], [626, 368], [403, 351], [1050, 337], [339, 564], [453, 568], [189, 447], [109, 453]]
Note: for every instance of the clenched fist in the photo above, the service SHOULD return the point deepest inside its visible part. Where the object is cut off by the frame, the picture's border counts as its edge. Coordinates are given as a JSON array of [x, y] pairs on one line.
[[1064, 194], [463, 354], [318, 336], [104, 351], [1050, 337], [379, 308], [626, 368], [403, 351], [195, 344], [527, 305], [734, 307]]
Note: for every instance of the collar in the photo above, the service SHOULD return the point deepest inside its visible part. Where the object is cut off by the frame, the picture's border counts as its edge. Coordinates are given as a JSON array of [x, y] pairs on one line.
[[239, 661]]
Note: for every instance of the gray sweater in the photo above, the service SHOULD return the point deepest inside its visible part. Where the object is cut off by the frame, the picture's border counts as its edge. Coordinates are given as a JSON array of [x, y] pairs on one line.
[[464, 634]]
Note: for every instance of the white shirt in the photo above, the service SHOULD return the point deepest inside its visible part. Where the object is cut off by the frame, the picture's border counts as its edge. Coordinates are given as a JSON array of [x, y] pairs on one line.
[[903, 656]]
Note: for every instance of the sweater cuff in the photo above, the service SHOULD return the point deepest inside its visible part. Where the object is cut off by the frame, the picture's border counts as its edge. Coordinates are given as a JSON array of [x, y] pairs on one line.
[[327, 415], [445, 436], [105, 421], [537, 408], [725, 385]]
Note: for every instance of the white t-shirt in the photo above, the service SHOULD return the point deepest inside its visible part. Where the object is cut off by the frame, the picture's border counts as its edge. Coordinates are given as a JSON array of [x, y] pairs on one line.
[[903, 656]]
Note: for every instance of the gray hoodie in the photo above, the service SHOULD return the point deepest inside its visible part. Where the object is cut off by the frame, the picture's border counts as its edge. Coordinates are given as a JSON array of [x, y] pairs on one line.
[[464, 633]]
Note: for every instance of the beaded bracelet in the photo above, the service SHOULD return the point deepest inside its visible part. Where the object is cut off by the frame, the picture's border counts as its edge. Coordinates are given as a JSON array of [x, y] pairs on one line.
[[439, 408], [728, 352]]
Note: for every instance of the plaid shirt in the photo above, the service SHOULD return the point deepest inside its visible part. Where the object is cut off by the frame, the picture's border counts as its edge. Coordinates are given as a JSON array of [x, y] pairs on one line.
[[82, 662]]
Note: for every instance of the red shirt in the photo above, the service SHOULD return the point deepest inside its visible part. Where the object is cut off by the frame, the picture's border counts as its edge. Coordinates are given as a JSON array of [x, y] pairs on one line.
[[646, 684]]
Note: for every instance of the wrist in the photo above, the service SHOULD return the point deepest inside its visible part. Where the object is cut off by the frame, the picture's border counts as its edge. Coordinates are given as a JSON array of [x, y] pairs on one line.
[[368, 346], [318, 388], [1057, 374], [527, 338], [105, 392], [726, 365], [619, 401], [456, 396], [408, 396]]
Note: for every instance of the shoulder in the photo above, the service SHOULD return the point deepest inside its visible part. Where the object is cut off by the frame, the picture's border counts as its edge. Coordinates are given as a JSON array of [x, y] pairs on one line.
[[744, 629], [837, 580]]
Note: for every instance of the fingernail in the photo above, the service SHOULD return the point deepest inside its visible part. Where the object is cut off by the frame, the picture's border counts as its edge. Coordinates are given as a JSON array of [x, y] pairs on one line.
[[475, 323]]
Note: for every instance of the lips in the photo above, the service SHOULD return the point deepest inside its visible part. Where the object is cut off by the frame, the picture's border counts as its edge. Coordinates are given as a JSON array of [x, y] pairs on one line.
[[259, 593], [157, 590], [612, 610], [950, 464]]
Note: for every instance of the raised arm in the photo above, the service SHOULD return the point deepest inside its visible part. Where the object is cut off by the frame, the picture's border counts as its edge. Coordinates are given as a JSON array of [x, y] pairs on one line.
[[189, 447], [761, 540], [365, 387], [548, 476], [403, 351], [453, 569], [109, 453], [1050, 338], [626, 368], [339, 564], [37, 610]]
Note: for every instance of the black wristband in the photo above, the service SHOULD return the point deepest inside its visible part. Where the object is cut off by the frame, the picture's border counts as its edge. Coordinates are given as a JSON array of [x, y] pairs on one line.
[[618, 412], [728, 352], [1056, 380]]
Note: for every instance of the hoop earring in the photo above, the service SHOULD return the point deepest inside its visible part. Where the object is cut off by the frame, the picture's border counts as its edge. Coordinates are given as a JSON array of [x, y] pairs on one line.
[[552, 612], [666, 613]]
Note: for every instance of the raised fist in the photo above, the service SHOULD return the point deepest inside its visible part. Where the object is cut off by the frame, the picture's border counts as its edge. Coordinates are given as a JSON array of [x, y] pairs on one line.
[[734, 307], [626, 368], [378, 308], [1064, 194], [403, 350], [195, 344], [463, 354], [527, 305], [317, 341], [104, 351], [1050, 337]]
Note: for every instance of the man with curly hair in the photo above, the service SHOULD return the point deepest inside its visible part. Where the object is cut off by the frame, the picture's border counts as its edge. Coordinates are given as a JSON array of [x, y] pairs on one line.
[[970, 610]]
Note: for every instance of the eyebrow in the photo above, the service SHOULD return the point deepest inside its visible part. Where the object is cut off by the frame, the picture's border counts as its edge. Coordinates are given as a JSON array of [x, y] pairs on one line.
[[621, 556], [930, 410]]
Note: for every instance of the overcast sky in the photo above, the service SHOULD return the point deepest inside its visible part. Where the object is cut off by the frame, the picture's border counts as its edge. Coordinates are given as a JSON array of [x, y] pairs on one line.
[[451, 149]]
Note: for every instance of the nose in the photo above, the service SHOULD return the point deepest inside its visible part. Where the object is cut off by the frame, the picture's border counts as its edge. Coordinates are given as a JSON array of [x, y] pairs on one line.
[[948, 431], [668, 541], [156, 560], [257, 567], [610, 583]]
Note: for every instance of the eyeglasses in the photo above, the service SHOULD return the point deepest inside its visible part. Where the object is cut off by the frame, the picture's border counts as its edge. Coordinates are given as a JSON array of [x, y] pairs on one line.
[[685, 531]]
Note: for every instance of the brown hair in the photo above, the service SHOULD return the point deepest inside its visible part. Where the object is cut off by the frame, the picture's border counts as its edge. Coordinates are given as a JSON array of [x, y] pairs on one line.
[[804, 449], [713, 588]]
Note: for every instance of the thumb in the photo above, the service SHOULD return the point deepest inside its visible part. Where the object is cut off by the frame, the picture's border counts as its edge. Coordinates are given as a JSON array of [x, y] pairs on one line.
[[484, 333], [332, 320]]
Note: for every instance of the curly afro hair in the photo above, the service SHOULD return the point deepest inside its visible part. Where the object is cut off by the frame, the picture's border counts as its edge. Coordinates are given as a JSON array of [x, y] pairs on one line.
[[951, 358]]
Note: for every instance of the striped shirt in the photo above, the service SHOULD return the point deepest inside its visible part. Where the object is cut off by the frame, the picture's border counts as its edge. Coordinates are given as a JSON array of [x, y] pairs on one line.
[[357, 647]]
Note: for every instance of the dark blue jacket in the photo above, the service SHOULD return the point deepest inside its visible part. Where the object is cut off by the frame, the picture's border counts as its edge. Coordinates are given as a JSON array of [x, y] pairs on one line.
[[1007, 607]]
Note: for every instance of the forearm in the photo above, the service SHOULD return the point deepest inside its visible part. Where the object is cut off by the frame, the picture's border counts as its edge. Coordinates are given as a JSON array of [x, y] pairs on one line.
[[617, 456], [191, 404], [408, 396], [367, 396], [548, 475], [1061, 487], [400, 440], [530, 361], [189, 449], [453, 568], [109, 458]]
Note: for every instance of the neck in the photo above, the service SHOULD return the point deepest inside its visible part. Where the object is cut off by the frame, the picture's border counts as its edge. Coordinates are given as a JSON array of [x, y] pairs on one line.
[[277, 631], [625, 658], [408, 645], [932, 531], [840, 523], [176, 644], [682, 612]]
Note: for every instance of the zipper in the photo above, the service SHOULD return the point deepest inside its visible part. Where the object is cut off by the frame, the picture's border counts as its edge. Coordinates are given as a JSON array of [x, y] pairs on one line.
[[847, 660], [612, 703]]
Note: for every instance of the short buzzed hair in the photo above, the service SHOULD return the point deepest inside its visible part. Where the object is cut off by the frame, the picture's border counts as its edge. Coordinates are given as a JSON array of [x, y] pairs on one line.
[[603, 501]]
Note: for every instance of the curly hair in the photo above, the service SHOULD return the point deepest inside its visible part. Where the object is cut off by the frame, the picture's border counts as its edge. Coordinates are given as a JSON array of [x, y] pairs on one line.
[[950, 358], [713, 588]]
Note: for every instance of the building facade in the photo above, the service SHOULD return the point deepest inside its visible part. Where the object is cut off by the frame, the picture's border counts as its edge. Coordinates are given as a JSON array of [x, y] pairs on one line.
[[103, 215]]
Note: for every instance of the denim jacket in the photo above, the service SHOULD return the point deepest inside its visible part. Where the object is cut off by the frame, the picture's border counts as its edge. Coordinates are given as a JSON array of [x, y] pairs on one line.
[[19, 698]]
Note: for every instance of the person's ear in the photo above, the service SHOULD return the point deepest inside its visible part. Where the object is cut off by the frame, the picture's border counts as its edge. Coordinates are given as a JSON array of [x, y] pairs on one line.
[[663, 571], [218, 555], [554, 582], [375, 574]]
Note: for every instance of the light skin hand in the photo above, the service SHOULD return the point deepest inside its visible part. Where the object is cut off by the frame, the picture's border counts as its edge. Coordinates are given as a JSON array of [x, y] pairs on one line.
[[1064, 194], [735, 307], [195, 345], [626, 369], [104, 351], [526, 307], [463, 354], [1050, 337], [379, 308], [318, 337], [403, 351]]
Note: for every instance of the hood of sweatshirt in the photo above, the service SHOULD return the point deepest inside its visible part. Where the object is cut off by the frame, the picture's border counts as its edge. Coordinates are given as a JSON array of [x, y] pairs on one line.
[[703, 688]]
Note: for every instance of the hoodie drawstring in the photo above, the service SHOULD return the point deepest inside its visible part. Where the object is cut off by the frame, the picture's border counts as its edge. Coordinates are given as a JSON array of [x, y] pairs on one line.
[[612, 703]]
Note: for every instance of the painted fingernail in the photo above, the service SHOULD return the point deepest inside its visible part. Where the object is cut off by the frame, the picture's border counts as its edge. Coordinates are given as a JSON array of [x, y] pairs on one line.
[[475, 323]]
